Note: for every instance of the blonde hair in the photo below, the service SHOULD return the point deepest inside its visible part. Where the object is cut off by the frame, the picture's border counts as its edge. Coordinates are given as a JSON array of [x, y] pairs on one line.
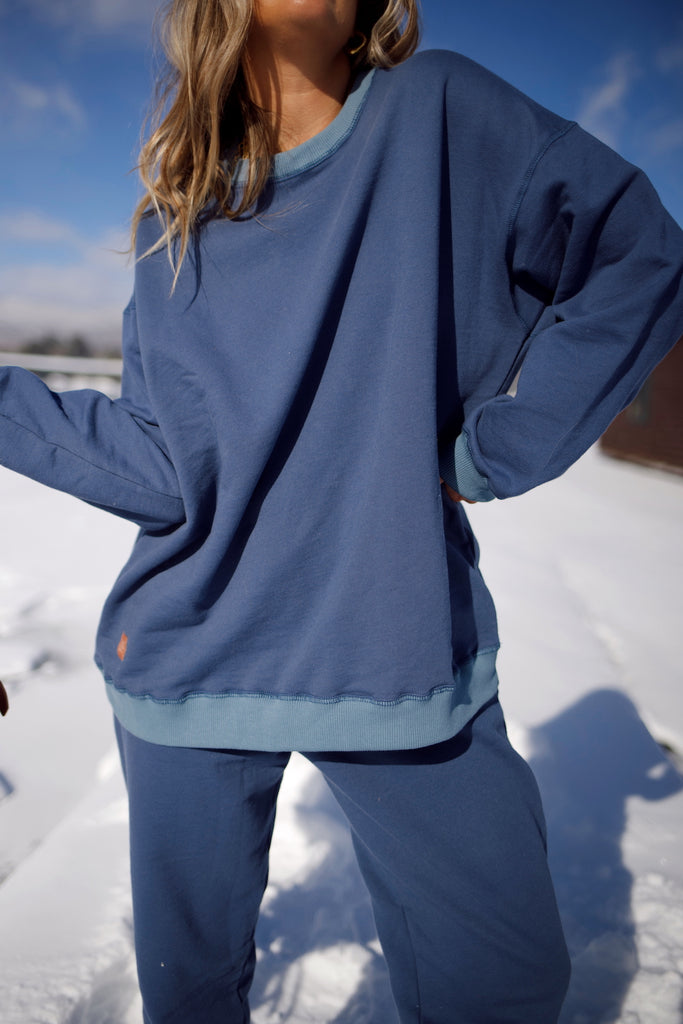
[[204, 120]]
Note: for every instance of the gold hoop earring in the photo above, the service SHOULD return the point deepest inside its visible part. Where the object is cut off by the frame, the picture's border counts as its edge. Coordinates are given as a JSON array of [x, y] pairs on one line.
[[352, 50]]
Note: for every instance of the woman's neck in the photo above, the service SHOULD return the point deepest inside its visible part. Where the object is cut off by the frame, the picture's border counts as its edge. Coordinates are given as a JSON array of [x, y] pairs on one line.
[[301, 94]]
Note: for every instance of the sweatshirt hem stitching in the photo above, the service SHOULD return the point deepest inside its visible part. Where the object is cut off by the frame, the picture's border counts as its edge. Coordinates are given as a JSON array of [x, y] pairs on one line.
[[301, 697], [277, 722]]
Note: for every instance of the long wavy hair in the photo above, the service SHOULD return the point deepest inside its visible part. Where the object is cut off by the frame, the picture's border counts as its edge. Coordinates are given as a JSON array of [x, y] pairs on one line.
[[204, 120]]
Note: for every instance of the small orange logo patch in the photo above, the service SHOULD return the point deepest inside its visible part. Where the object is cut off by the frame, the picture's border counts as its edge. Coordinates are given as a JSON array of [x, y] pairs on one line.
[[123, 646]]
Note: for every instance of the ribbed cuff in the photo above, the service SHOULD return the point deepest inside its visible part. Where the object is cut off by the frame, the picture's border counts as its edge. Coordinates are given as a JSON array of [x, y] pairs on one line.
[[457, 469]]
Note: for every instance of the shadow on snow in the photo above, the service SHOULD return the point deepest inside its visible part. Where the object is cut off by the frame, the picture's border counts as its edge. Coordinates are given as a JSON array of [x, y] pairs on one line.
[[331, 907], [588, 761]]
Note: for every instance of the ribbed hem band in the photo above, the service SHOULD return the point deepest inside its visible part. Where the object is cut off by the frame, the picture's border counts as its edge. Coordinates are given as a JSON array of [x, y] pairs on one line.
[[260, 721]]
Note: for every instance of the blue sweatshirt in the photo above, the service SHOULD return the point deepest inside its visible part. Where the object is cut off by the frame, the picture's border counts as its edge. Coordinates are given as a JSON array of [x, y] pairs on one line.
[[300, 581]]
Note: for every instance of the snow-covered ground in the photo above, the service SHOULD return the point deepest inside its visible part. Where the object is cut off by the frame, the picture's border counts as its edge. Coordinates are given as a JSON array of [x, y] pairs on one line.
[[588, 576]]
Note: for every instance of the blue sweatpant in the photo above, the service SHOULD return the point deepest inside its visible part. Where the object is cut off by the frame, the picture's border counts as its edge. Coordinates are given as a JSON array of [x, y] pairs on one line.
[[450, 841]]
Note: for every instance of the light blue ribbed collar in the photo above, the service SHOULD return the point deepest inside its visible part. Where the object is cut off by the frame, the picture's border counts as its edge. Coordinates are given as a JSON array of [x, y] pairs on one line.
[[320, 146]]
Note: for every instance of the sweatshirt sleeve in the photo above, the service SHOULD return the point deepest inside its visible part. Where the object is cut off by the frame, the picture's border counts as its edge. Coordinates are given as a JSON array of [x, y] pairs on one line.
[[109, 453], [589, 239]]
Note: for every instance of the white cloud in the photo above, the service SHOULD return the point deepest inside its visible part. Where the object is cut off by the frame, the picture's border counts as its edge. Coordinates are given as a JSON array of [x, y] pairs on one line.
[[38, 99], [604, 108], [101, 16], [83, 292], [34, 227], [65, 103], [667, 138], [670, 58]]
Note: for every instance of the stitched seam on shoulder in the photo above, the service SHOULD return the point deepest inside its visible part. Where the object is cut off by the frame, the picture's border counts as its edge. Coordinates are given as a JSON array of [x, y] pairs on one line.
[[530, 173], [521, 195]]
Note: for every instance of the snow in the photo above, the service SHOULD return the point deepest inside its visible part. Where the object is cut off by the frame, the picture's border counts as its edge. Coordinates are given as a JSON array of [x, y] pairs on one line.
[[588, 577]]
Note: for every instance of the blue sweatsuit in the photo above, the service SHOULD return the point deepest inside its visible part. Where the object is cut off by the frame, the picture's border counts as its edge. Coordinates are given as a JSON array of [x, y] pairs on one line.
[[448, 281]]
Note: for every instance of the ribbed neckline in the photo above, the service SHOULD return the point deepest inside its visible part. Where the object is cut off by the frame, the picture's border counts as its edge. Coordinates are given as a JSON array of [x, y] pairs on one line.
[[320, 146]]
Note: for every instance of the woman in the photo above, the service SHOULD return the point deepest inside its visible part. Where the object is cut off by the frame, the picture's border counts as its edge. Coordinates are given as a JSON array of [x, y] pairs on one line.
[[359, 271]]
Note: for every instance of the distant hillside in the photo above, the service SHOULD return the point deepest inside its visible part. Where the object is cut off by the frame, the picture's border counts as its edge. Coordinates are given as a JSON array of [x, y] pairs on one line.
[[75, 345]]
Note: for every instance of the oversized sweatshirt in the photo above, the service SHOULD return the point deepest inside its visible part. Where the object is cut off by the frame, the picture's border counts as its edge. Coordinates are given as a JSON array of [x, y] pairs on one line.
[[447, 281]]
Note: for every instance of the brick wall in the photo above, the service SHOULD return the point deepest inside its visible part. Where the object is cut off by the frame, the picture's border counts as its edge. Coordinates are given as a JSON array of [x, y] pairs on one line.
[[650, 430]]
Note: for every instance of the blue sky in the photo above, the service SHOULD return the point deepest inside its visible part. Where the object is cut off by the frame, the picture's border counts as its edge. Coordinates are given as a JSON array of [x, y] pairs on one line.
[[74, 84]]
